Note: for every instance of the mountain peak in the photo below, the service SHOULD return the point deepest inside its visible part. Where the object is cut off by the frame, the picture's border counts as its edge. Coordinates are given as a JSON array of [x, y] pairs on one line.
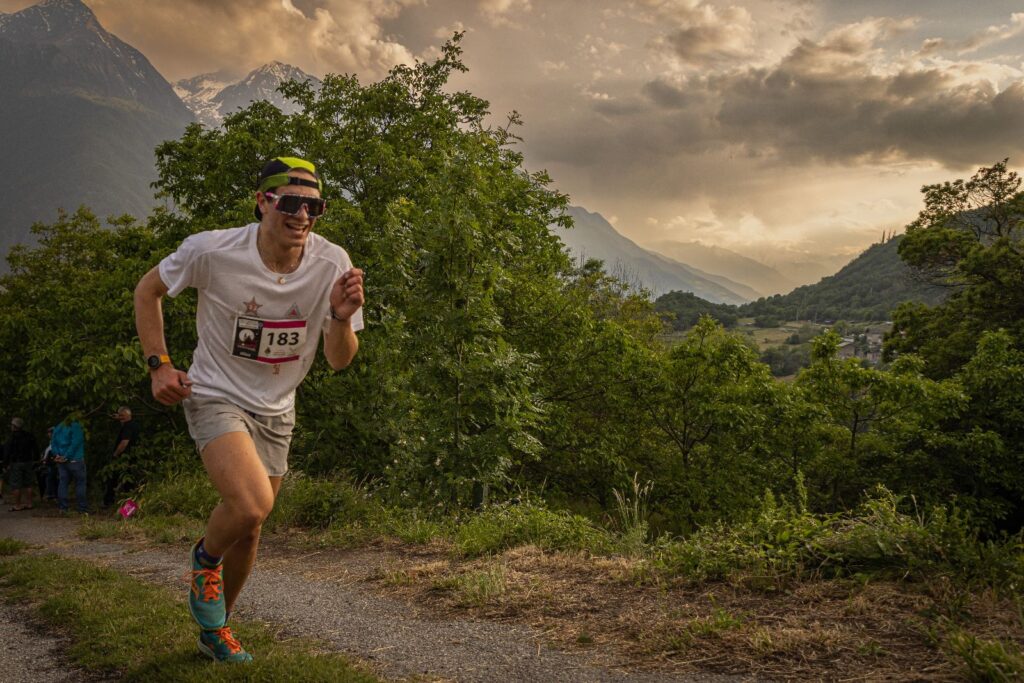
[[50, 19], [278, 71]]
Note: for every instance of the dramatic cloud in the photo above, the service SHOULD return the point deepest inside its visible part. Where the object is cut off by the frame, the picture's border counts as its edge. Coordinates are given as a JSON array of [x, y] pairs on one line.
[[318, 36], [838, 100], [704, 33], [504, 12], [989, 36]]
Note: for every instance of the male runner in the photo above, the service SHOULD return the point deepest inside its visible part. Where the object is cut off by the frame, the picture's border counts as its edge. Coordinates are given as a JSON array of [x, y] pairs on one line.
[[266, 293]]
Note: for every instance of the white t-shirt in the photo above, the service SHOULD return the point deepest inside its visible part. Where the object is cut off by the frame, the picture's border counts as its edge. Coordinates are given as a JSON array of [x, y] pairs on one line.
[[258, 330]]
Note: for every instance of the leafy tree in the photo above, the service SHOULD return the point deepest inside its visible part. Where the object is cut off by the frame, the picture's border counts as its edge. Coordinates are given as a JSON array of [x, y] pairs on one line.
[[877, 425], [687, 308], [68, 333], [967, 239], [711, 403]]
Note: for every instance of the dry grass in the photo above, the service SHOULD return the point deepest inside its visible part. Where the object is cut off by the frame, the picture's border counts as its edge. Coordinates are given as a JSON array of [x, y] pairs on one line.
[[837, 630]]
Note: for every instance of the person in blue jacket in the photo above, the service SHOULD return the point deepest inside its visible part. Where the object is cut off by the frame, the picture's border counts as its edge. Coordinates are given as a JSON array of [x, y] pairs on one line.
[[69, 453]]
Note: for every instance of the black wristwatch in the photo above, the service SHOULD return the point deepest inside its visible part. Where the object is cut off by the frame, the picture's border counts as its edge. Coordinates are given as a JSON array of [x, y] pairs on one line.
[[156, 361]]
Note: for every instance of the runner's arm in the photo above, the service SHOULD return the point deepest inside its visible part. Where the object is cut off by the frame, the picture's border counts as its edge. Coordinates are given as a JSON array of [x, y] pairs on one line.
[[169, 384], [340, 342]]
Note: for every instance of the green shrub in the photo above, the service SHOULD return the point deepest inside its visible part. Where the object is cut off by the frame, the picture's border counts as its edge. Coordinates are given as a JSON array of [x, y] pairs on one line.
[[185, 493], [11, 546], [986, 660], [506, 526], [321, 503], [786, 541]]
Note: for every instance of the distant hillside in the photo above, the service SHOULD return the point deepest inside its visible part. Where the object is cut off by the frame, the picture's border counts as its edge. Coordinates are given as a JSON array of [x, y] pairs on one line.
[[81, 112], [765, 280], [594, 237], [687, 309], [867, 288]]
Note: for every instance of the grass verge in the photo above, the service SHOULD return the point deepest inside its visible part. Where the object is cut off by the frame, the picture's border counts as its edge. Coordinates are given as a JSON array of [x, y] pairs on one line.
[[139, 632]]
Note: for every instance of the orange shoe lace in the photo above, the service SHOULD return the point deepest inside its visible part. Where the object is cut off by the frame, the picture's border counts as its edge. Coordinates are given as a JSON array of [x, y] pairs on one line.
[[225, 634], [212, 587]]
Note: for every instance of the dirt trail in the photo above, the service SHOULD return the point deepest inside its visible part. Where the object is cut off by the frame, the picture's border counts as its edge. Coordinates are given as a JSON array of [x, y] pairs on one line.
[[398, 641]]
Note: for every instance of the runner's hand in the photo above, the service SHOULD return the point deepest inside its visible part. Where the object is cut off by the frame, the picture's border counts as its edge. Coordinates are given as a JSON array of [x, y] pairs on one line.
[[170, 385], [347, 294]]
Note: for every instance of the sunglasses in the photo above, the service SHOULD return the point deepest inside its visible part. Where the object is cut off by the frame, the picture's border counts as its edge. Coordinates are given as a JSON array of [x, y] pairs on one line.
[[292, 204]]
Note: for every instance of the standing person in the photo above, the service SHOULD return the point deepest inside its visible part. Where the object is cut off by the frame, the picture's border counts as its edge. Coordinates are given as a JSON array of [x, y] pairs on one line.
[[127, 435], [50, 475], [267, 291], [69, 454], [21, 454]]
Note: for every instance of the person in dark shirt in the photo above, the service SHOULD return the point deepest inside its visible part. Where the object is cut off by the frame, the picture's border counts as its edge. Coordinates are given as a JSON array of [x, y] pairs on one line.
[[117, 469], [21, 453]]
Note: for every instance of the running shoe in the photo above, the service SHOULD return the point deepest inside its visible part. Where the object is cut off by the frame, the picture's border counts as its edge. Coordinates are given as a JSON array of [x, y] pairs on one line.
[[220, 645], [206, 594]]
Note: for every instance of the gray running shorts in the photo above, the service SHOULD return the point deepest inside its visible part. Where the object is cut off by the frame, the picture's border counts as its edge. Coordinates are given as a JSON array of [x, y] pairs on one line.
[[209, 418]]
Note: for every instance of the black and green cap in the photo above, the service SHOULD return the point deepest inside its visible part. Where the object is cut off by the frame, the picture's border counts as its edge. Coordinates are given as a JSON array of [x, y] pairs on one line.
[[275, 174]]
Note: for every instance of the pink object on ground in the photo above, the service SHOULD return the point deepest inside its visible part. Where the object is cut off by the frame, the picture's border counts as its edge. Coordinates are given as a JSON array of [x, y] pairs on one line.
[[129, 508]]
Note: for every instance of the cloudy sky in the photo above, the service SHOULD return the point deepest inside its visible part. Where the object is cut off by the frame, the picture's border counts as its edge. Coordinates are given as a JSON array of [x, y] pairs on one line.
[[771, 127]]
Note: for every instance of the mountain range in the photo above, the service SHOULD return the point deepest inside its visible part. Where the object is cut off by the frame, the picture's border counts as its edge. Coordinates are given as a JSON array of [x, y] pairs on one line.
[[594, 237], [82, 112], [762, 278], [214, 95]]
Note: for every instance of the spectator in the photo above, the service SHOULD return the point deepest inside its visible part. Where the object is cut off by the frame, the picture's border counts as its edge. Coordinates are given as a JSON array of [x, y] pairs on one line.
[[116, 469], [69, 454], [48, 487], [21, 454]]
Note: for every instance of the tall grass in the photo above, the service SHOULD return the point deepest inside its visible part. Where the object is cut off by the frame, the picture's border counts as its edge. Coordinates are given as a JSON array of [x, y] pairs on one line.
[[632, 513], [783, 541]]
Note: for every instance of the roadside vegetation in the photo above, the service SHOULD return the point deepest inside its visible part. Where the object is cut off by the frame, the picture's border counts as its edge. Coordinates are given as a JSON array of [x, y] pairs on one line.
[[509, 406]]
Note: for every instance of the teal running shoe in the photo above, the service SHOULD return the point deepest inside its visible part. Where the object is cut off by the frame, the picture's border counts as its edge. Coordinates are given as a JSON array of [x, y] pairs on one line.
[[220, 645], [206, 595]]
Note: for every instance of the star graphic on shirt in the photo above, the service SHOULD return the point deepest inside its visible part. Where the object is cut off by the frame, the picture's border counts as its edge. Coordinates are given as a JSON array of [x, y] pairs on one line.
[[251, 306]]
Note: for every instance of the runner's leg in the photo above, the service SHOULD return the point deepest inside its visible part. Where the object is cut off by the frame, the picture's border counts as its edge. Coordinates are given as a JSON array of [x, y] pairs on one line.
[[240, 558], [247, 495]]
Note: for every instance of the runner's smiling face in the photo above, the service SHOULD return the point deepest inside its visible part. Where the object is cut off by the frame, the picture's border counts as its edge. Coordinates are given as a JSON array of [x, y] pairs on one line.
[[281, 230]]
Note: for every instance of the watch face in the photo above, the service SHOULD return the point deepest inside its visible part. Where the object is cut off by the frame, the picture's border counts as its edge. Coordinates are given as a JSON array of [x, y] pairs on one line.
[[153, 362]]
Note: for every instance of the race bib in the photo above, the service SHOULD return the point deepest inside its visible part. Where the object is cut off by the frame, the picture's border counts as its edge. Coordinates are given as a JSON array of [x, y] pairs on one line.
[[268, 341]]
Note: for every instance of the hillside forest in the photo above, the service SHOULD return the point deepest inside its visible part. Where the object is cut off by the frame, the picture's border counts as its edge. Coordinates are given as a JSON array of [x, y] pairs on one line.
[[495, 368]]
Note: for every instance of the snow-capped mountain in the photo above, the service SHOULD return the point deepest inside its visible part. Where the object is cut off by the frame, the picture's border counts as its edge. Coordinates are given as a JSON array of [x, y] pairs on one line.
[[198, 94], [212, 96]]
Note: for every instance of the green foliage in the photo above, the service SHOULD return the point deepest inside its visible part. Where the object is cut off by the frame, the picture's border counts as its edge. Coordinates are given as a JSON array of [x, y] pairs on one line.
[[968, 240], [715, 414], [873, 426], [986, 659], [528, 523], [632, 514], [321, 503], [687, 308], [434, 204], [785, 541], [11, 546], [787, 360], [188, 492]]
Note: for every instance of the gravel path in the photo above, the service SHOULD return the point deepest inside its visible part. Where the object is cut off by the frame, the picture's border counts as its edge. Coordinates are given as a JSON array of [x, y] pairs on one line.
[[32, 655], [397, 640]]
